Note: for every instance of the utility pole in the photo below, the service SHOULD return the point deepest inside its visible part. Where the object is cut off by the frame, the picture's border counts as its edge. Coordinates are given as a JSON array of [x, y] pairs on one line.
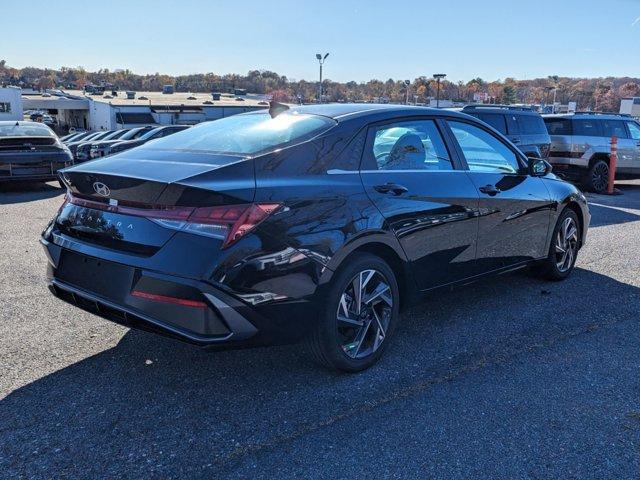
[[321, 60]]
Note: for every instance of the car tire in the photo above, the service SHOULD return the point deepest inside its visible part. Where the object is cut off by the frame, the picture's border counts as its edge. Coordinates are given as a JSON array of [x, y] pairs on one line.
[[351, 335], [557, 266], [597, 177]]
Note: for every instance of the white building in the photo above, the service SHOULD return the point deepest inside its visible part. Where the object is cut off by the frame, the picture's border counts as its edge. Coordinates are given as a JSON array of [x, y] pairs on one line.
[[10, 103], [114, 110], [630, 106]]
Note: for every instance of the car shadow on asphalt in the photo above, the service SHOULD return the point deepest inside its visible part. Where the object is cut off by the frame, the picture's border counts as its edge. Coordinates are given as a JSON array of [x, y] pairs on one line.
[[158, 400], [602, 215], [22, 192]]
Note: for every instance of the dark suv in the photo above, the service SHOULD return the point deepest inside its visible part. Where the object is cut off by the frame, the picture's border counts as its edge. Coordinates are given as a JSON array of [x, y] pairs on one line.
[[581, 145], [523, 126]]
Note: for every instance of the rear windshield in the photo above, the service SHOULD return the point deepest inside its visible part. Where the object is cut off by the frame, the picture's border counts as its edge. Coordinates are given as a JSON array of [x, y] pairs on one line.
[[249, 134], [558, 126], [31, 130]]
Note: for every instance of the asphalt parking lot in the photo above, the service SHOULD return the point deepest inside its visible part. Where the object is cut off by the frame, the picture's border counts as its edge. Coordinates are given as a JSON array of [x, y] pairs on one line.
[[512, 378]]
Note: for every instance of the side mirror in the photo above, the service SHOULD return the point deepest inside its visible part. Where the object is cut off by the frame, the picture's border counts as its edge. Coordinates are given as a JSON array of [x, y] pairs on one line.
[[538, 167]]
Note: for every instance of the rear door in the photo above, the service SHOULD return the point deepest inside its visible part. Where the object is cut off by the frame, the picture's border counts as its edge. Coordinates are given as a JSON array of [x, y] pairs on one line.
[[534, 138], [514, 207], [425, 196]]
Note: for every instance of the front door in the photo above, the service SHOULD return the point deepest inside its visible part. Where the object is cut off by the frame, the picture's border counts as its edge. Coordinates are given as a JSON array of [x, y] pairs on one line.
[[634, 133], [426, 199], [514, 207]]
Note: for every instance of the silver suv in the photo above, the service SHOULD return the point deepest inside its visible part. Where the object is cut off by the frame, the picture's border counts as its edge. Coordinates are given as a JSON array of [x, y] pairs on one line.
[[581, 145]]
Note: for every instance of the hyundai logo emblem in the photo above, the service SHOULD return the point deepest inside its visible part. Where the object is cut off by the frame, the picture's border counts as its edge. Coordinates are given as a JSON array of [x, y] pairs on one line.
[[101, 189]]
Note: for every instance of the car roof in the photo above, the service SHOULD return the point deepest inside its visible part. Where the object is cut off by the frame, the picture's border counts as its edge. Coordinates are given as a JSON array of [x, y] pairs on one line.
[[499, 109], [21, 123], [344, 111], [589, 116]]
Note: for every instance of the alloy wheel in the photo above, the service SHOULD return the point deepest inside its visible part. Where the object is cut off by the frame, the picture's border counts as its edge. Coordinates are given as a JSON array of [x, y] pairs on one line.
[[364, 313], [566, 244], [600, 177]]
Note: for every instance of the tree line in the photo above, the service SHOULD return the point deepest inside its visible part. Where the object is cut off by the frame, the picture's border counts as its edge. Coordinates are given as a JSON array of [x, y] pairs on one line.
[[598, 94]]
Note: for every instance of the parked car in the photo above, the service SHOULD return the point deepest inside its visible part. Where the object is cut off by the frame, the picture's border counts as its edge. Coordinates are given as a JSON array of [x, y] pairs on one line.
[[148, 136], [31, 151], [83, 150], [265, 228], [102, 148], [76, 136], [95, 136], [522, 125], [581, 145]]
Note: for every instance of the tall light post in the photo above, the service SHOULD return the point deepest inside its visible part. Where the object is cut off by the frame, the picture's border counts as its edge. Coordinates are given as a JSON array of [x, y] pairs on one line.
[[321, 60], [407, 84], [438, 77]]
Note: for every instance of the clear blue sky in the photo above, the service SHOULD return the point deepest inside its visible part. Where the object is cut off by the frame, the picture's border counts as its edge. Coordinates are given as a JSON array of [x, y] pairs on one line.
[[492, 39]]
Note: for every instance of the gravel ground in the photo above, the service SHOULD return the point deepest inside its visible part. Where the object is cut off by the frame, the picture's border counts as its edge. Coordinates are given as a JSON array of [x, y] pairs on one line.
[[511, 378]]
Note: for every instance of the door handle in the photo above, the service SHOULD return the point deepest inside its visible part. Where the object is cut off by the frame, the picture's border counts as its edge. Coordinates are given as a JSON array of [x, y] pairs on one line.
[[490, 190], [391, 187], [515, 141]]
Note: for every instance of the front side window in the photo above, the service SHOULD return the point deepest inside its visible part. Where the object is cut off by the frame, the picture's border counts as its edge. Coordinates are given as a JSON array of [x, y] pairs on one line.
[[587, 128], [483, 151], [249, 134], [634, 130], [411, 145]]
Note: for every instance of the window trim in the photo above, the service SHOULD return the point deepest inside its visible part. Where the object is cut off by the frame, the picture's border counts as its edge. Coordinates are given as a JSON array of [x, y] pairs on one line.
[[456, 162], [520, 157]]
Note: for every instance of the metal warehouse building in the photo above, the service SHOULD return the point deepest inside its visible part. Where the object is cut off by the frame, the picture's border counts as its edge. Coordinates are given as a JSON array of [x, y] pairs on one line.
[[113, 110]]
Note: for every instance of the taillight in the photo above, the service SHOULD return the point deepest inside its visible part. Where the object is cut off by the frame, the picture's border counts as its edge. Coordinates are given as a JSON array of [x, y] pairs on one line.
[[226, 222]]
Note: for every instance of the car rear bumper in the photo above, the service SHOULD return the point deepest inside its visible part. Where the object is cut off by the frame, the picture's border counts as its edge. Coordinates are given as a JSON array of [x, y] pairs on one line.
[[32, 167], [208, 317]]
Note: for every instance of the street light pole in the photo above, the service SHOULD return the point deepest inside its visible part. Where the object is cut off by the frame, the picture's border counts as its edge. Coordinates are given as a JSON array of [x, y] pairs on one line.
[[438, 77], [407, 84], [321, 60]]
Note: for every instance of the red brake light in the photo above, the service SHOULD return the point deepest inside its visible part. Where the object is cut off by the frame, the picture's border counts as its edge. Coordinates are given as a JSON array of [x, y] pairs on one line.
[[227, 222]]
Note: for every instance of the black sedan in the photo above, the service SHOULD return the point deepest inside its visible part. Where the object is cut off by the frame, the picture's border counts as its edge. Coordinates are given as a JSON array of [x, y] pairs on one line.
[[31, 151], [153, 134], [314, 222]]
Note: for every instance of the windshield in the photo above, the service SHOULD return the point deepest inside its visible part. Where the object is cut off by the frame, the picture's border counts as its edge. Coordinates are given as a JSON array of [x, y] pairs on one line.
[[28, 130], [249, 134], [134, 133]]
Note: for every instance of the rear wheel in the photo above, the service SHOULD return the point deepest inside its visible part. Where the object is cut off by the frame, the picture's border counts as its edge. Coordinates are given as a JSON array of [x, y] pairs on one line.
[[563, 251], [597, 177], [359, 316]]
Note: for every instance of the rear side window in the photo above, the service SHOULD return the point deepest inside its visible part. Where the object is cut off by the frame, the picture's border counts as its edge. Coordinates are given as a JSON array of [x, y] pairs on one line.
[[411, 145], [531, 125], [558, 126], [587, 128], [495, 120], [513, 128], [614, 127]]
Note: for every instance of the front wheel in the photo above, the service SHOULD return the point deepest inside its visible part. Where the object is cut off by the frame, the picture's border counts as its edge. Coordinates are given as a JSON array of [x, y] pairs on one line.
[[359, 315], [563, 251]]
